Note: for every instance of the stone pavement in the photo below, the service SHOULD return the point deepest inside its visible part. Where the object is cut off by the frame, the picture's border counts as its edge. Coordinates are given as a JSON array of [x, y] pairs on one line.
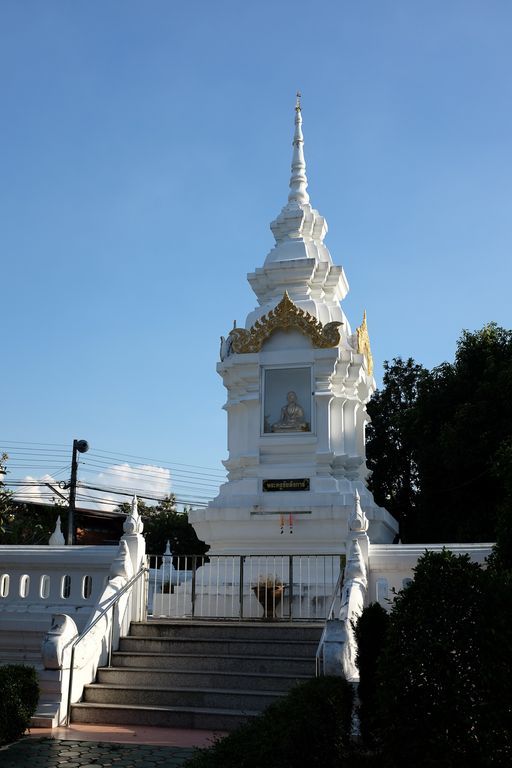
[[56, 753]]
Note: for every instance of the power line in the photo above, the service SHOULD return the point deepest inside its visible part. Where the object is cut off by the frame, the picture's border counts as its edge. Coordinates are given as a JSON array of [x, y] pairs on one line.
[[154, 476], [115, 489], [147, 468], [111, 502], [36, 463], [27, 442], [35, 451], [103, 455], [187, 479], [30, 491], [158, 461], [174, 479], [103, 452], [125, 492]]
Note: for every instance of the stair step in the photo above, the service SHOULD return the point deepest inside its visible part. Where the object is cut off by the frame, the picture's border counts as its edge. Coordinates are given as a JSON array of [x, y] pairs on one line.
[[303, 631], [215, 663], [304, 649], [212, 719], [211, 675], [217, 698], [203, 679]]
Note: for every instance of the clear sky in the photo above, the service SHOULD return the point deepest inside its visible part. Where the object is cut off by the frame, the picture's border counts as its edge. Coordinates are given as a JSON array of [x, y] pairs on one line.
[[145, 148]]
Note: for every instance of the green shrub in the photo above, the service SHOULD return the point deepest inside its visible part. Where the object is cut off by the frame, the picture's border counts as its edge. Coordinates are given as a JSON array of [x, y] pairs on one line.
[[19, 694], [370, 632], [309, 727], [444, 675]]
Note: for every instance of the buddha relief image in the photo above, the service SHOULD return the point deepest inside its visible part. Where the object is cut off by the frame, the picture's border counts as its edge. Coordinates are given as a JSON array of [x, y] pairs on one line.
[[286, 401], [292, 416]]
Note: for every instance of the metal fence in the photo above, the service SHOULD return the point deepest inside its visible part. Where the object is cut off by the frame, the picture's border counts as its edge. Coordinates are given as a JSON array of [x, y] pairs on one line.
[[280, 587]]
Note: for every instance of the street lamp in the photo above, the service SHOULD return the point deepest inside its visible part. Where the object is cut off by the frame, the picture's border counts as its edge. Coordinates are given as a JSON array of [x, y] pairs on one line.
[[79, 446]]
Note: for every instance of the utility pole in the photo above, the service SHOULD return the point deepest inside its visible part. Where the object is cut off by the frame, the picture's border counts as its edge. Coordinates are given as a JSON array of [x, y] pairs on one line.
[[79, 446]]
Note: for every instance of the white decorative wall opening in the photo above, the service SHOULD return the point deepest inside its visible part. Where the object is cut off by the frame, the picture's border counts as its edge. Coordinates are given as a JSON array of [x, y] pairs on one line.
[[65, 587], [86, 587], [4, 585], [44, 587], [24, 585]]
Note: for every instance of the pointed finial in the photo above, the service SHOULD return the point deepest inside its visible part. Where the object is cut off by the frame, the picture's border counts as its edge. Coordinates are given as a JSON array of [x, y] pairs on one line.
[[298, 181], [363, 343], [358, 522], [167, 564], [57, 537], [133, 522]]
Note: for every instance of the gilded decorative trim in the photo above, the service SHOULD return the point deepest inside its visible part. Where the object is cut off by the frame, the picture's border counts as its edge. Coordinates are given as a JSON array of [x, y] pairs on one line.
[[363, 344], [285, 316]]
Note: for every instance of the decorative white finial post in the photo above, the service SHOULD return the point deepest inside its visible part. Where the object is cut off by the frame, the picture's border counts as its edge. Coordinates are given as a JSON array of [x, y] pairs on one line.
[[167, 554], [57, 537], [298, 181], [133, 522], [167, 571], [133, 527], [358, 522]]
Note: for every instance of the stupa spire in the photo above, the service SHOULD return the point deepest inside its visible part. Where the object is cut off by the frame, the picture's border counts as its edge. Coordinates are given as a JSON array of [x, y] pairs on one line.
[[298, 180], [298, 221]]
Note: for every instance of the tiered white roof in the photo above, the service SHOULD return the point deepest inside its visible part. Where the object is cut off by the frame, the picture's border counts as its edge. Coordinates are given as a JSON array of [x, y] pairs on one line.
[[300, 263]]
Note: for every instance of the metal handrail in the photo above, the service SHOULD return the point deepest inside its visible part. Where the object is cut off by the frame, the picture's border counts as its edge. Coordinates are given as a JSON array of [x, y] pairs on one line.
[[179, 587], [112, 604], [330, 615]]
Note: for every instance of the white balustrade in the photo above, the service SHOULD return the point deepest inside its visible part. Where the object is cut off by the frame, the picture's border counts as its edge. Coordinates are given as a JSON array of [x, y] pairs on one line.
[[38, 581], [50, 594]]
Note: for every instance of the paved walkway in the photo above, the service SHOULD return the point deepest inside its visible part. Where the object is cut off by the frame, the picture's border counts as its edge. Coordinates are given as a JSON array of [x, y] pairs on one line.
[[107, 746], [53, 753]]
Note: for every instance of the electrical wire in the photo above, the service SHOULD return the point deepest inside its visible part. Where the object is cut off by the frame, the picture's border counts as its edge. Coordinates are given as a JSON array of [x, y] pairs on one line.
[[157, 461], [27, 446], [147, 469], [188, 480]]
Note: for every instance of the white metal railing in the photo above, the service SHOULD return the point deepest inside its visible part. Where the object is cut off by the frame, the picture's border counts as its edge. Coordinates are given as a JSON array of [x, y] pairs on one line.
[[332, 613], [107, 614], [284, 587]]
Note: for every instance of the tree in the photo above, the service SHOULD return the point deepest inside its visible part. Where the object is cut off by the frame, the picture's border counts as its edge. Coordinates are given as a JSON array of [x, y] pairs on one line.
[[464, 418], [437, 438], [24, 522], [6, 506], [501, 558], [391, 441], [31, 523], [443, 684], [163, 523]]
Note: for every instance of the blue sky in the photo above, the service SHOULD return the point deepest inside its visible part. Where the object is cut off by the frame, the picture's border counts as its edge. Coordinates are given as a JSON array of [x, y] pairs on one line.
[[146, 147]]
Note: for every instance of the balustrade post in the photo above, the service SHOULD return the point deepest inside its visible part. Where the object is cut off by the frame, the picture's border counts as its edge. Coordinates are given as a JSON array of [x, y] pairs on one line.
[[241, 589], [290, 587], [145, 594], [193, 596], [110, 643]]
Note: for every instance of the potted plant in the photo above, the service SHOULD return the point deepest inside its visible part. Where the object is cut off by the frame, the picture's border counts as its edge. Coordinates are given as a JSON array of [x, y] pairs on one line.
[[269, 591]]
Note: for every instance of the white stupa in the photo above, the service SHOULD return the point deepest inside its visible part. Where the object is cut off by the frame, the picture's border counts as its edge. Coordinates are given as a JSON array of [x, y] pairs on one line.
[[297, 382]]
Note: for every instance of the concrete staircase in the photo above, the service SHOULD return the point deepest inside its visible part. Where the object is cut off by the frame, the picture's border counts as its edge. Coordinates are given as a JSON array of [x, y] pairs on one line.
[[211, 675]]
